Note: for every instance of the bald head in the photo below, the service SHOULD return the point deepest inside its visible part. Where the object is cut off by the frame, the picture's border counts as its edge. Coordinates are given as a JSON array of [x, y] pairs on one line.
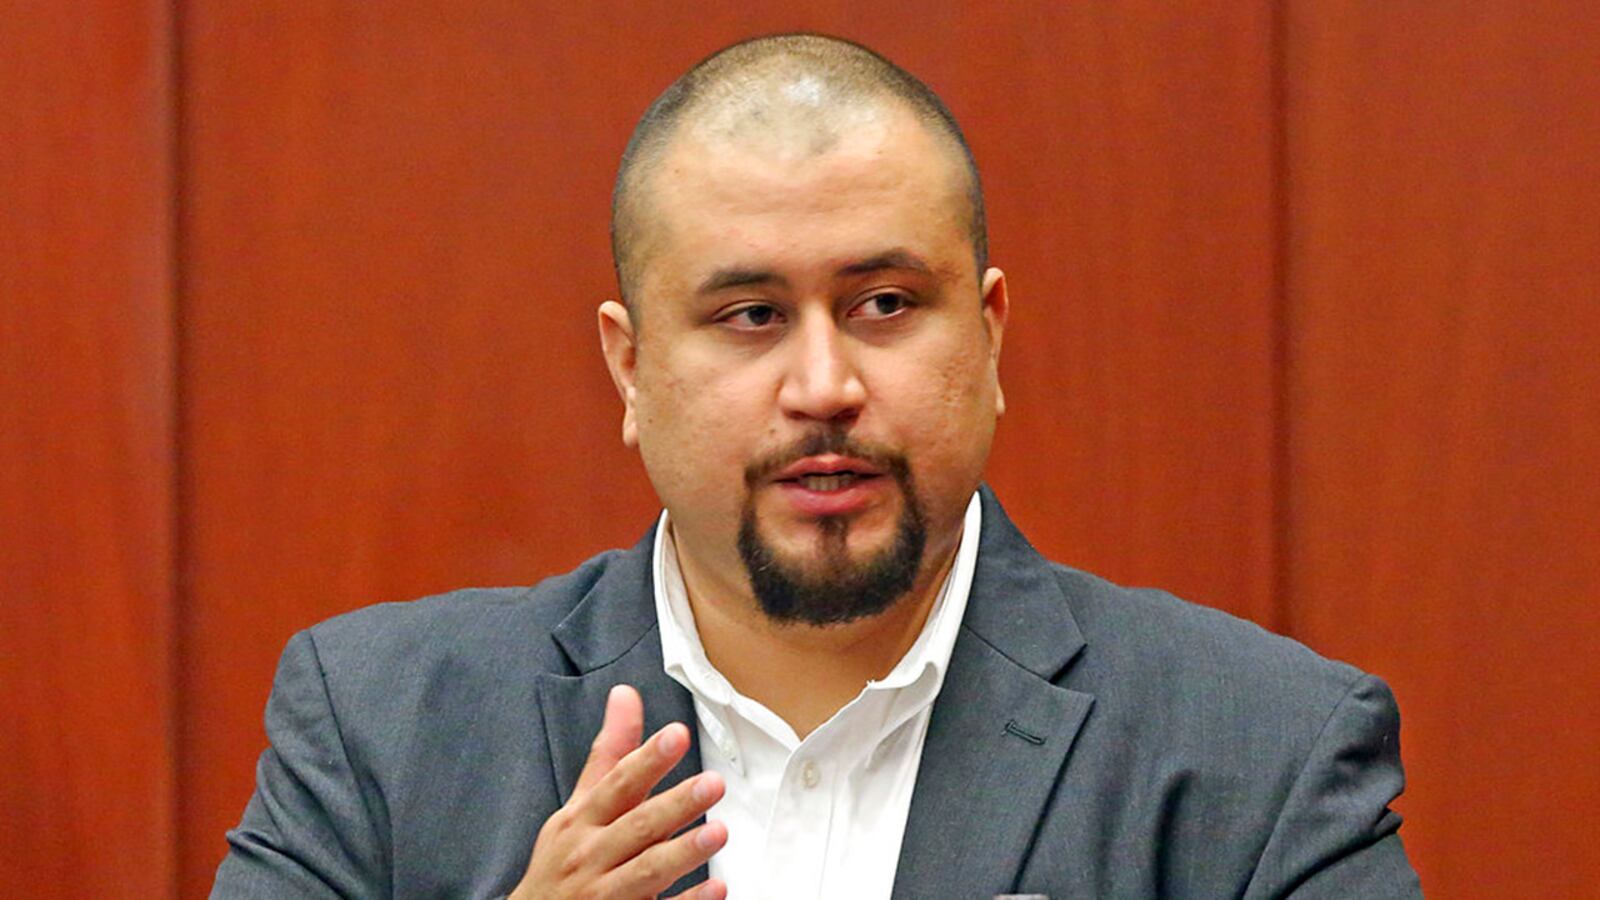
[[789, 96]]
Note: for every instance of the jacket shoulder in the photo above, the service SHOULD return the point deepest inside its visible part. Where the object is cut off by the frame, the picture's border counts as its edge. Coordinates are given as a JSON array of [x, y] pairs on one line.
[[1155, 651], [477, 622], [426, 664], [1232, 760], [403, 721]]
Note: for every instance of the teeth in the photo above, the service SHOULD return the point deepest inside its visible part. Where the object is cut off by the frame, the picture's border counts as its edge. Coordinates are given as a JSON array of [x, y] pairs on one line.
[[833, 482]]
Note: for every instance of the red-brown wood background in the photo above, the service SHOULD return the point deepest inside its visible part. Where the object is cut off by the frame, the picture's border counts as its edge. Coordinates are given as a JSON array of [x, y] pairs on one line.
[[296, 315]]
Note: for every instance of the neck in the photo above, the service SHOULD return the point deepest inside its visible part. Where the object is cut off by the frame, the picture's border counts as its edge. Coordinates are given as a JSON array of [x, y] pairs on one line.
[[806, 673]]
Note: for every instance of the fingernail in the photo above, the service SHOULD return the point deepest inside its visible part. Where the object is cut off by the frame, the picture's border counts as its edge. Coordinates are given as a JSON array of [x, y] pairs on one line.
[[670, 742], [702, 789], [706, 839]]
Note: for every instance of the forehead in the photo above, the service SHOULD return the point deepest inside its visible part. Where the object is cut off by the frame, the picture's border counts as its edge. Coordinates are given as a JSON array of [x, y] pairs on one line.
[[806, 191]]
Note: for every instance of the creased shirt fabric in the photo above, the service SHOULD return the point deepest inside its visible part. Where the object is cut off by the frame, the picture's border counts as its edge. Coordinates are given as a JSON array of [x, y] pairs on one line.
[[823, 816]]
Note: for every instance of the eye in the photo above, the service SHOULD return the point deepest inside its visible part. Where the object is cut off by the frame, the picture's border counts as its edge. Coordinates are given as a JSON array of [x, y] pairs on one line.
[[882, 306], [750, 317]]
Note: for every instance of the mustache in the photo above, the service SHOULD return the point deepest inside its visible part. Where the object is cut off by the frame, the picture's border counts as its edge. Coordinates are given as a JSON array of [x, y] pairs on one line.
[[833, 441]]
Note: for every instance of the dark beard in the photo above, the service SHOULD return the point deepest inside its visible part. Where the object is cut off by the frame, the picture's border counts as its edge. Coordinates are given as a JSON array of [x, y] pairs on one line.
[[842, 591]]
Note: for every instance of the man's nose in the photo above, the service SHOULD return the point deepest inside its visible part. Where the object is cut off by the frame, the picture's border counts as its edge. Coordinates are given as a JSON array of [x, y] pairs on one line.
[[821, 380]]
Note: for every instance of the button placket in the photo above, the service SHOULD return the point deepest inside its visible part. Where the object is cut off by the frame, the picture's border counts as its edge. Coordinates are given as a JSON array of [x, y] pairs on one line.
[[796, 847]]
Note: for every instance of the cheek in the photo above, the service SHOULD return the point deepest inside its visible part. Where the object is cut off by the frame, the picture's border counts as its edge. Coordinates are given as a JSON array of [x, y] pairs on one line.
[[953, 423], [689, 437]]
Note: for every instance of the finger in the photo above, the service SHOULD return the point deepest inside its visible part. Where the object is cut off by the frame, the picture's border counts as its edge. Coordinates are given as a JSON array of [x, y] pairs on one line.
[[657, 819], [705, 890], [631, 779], [654, 870], [619, 735]]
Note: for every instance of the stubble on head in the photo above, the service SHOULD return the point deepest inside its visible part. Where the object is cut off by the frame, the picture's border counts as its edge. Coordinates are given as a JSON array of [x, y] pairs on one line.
[[795, 95]]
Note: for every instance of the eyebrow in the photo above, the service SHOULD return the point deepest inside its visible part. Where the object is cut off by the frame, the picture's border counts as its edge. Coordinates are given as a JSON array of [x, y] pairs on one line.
[[889, 259], [722, 279]]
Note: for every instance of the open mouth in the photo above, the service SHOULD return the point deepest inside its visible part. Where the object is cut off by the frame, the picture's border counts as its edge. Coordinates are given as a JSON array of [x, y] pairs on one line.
[[829, 483], [826, 482]]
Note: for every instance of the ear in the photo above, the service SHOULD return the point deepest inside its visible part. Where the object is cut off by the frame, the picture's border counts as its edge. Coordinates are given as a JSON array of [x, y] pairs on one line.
[[996, 309], [621, 348]]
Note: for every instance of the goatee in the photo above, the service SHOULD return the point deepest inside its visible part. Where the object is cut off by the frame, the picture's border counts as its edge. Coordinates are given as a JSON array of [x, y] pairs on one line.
[[835, 589]]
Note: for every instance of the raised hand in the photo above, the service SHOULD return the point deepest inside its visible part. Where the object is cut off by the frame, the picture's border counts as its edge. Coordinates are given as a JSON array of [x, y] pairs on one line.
[[612, 839]]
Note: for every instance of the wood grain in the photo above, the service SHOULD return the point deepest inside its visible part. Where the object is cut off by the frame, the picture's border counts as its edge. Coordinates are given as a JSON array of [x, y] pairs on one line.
[[1444, 175], [1129, 154], [88, 797], [396, 232]]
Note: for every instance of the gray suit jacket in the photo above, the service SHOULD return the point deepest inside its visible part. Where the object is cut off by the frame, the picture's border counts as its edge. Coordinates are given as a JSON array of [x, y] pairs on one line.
[[1089, 741]]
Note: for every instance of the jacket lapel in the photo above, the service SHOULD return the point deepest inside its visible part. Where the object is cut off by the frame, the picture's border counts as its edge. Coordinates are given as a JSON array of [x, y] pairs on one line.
[[611, 639], [1000, 731]]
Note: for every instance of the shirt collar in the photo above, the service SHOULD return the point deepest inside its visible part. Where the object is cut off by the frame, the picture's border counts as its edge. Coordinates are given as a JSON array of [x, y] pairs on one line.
[[682, 654]]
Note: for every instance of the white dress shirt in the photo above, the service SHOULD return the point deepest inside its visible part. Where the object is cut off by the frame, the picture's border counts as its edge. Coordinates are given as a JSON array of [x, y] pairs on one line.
[[822, 817]]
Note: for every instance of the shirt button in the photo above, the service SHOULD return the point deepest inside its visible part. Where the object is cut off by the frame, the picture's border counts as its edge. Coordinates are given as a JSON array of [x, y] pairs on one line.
[[809, 775]]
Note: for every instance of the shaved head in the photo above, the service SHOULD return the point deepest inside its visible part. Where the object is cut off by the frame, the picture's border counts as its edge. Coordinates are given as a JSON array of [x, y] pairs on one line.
[[792, 95]]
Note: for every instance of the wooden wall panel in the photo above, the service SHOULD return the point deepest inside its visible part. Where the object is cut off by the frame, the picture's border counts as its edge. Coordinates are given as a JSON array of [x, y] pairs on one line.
[[87, 793], [395, 225], [1444, 285], [394, 233], [1129, 154]]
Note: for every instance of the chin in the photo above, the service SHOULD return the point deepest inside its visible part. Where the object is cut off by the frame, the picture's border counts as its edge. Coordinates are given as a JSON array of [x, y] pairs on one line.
[[838, 574]]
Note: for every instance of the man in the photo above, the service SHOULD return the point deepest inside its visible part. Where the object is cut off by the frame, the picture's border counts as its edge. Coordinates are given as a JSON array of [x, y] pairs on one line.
[[834, 668]]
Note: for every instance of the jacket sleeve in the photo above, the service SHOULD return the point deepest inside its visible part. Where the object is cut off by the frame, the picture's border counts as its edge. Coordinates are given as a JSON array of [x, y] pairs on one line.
[[1336, 836], [308, 830]]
